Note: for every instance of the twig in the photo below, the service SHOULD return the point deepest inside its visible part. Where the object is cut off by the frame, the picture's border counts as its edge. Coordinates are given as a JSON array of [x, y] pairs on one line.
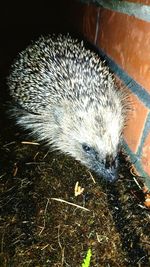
[[37, 153], [30, 143], [137, 183], [70, 203], [44, 247], [62, 249], [8, 144], [1, 176], [44, 217], [91, 176], [46, 155]]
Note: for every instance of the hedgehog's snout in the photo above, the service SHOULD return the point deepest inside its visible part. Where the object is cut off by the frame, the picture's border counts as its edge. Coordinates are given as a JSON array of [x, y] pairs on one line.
[[109, 168], [110, 162], [104, 166]]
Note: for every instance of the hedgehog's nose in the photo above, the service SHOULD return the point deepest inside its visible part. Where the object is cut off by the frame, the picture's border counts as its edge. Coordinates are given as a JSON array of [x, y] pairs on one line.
[[111, 165], [110, 162]]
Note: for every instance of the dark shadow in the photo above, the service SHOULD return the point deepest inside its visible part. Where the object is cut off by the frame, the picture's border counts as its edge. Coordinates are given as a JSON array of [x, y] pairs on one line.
[[124, 213]]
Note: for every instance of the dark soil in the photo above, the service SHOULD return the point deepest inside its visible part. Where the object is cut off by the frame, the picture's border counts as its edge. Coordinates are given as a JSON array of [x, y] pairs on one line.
[[37, 230]]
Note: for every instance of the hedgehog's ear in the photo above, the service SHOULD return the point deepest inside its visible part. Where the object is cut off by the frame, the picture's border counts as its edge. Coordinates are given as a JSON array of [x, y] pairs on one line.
[[58, 114]]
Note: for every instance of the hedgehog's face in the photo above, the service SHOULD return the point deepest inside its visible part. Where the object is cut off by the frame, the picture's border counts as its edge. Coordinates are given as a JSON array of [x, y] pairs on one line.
[[105, 166], [92, 136], [94, 142]]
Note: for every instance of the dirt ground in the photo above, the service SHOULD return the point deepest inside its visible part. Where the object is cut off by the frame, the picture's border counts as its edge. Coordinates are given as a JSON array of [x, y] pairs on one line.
[[38, 230]]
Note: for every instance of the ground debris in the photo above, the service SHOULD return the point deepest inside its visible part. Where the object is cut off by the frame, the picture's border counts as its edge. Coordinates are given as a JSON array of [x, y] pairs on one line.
[[38, 231]]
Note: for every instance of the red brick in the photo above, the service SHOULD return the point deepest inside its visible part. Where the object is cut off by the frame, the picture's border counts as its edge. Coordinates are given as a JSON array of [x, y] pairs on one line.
[[135, 124], [90, 22], [126, 39]]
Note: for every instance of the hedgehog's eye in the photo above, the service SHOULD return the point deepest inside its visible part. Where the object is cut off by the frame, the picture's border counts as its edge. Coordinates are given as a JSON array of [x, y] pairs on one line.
[[86, 148]]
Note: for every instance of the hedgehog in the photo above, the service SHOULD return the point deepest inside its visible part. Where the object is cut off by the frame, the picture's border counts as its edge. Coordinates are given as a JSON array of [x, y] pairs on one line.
[[65, 95]]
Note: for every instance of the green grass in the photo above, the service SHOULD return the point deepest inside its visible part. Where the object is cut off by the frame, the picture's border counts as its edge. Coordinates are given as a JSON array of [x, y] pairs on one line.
[[87, 259]]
